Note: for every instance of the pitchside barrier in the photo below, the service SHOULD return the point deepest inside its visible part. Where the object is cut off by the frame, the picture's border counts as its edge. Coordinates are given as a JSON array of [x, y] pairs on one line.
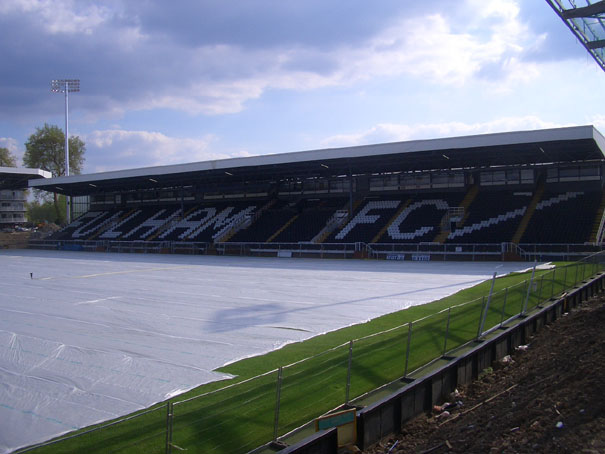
[[385, 251], [389, 415], [276, 407]]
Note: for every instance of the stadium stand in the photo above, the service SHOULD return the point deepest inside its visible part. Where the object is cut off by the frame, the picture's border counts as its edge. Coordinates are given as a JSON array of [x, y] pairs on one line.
[[493, 217], [485, 190]]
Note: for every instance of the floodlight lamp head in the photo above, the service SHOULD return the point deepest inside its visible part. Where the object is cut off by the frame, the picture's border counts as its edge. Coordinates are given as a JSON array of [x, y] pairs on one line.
[[65, 85]]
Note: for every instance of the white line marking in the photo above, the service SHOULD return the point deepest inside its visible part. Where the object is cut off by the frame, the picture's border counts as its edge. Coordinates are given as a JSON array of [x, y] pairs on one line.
[[97, 301]]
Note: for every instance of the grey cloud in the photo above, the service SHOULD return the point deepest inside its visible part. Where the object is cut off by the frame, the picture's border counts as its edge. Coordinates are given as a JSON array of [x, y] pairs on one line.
[[315, 62], [268, 23], [172, 51]]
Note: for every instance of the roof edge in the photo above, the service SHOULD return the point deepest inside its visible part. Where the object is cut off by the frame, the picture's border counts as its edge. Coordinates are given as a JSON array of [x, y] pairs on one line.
[[599, 139], [38, 173], [325, 154]]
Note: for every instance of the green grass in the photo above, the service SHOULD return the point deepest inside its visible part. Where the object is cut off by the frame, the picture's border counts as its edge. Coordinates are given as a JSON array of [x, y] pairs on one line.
[[241, 416]]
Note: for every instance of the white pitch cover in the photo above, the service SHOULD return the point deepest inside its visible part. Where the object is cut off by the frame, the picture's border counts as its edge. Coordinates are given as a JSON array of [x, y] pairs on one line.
[[86, 337]]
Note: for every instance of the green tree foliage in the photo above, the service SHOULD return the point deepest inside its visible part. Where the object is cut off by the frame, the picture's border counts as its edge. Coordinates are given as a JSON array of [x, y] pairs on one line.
[[45, 211], [45, 149], [6, 158]]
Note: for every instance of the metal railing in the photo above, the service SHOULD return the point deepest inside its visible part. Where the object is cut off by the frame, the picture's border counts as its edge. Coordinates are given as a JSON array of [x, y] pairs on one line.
[[242, 416], [302, 249], [392, 251]]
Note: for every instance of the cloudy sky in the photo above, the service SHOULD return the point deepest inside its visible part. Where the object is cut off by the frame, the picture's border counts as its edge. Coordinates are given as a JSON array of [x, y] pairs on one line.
[[192, 80]]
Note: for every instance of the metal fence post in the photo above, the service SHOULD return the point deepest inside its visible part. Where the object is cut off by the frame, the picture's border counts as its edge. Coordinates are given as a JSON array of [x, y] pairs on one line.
[[277, 399], [565, 278], [576, 278], [481, 316], [531, 283], [489, 299], [447, 330], [540, 292], [504, 306], [169, 416], [349, 372], [407, 353]]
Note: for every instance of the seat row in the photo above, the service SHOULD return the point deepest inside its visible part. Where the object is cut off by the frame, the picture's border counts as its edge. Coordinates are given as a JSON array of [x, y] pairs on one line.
[[491, 217]]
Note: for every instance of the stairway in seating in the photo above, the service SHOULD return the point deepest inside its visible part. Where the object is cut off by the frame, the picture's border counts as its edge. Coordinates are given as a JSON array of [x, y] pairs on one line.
[[228, 235], [326, 233], [388, 224], [284, 227], [466, 203], [528, 213], [598, 218], [110, 225]]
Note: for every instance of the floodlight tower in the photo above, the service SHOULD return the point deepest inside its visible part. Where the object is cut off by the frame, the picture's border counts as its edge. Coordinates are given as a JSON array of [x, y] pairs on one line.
[[66, 86]]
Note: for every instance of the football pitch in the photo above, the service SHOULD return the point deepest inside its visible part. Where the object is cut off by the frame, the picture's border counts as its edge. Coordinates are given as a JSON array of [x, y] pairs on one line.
[[87, 337]]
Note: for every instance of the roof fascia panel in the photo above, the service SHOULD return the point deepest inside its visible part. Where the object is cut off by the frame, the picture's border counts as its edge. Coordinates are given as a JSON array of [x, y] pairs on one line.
[[325, 155], [26, 171]]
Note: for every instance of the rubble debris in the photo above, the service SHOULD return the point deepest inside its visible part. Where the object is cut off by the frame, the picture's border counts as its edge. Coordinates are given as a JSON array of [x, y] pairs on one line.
[[443, 415], [507, 360], [455, 395]]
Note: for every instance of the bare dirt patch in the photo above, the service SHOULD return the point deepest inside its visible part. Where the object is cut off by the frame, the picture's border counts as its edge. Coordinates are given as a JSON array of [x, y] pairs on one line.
[[549, 398], [14, 240]]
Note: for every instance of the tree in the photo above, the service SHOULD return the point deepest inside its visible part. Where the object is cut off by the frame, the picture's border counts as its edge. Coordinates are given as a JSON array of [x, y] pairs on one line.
[[6, 158], [45, 149], [44, 212]]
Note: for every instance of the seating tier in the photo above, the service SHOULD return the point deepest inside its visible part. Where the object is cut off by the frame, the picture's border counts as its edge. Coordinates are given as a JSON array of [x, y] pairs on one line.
[[563, 217], [493, 216]]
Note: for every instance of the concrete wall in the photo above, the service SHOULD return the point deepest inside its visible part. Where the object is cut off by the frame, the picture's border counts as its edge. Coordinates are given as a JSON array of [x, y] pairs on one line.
[[323, 442]]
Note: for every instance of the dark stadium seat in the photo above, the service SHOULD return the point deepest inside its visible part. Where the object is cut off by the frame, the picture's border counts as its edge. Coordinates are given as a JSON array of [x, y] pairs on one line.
[[493, 217], [88, 225], [311, 220], [564, 214], [563, 217]]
